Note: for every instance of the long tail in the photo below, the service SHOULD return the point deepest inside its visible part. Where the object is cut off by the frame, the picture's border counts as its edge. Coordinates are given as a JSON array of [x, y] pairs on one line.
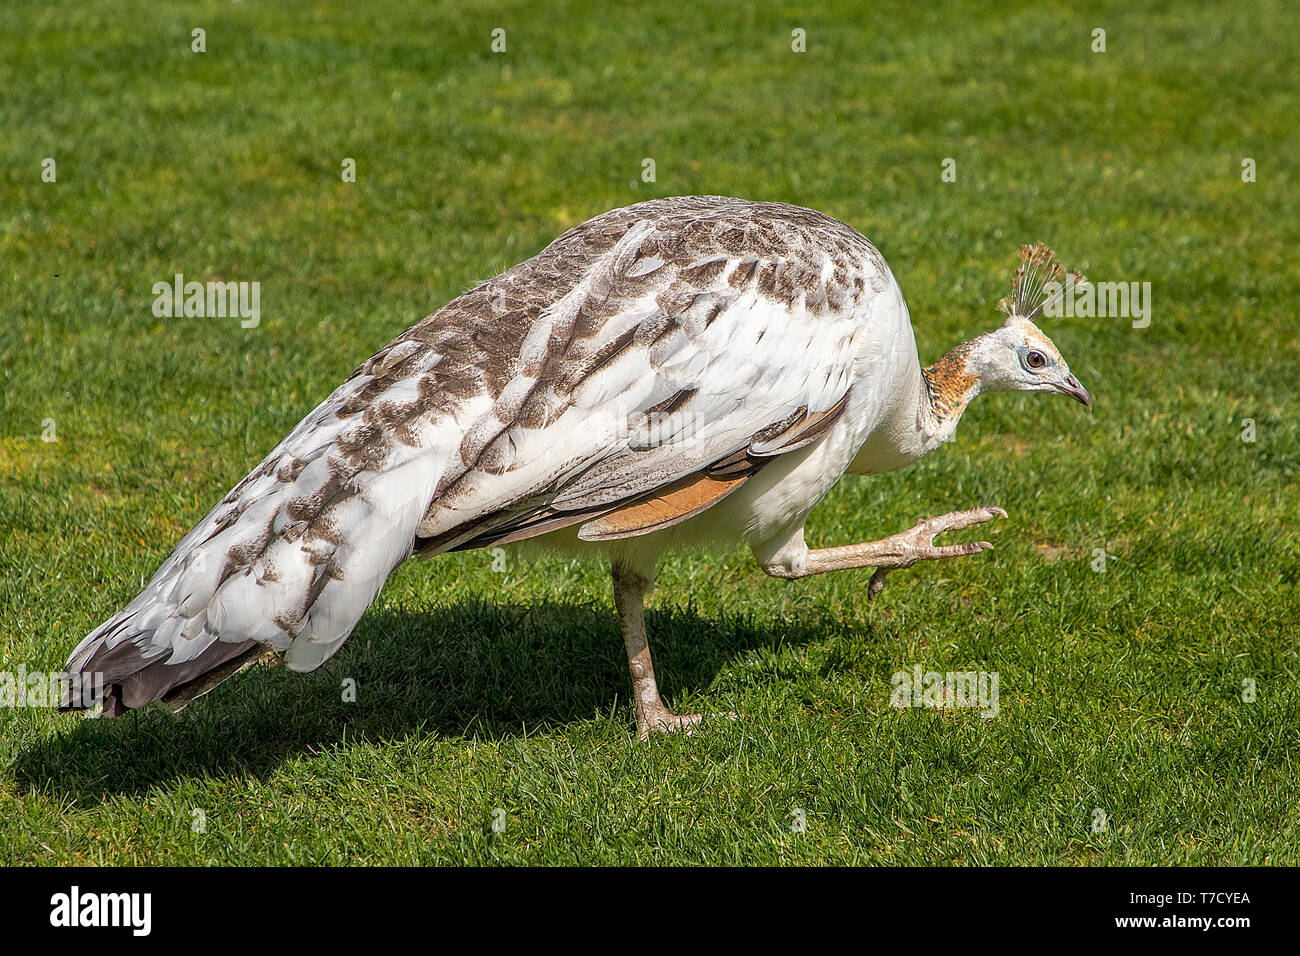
[[288, 561]]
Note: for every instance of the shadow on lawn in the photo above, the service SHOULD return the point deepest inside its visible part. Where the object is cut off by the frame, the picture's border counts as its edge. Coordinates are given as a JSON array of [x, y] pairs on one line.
[[467, 670]]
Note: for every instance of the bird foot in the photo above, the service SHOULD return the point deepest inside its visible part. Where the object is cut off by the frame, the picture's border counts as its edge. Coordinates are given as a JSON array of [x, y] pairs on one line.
[[664, 721], [917, 543]]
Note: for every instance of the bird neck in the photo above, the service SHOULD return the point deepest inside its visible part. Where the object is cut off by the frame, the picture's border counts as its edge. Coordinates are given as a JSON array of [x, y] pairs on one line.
[[950, 384]]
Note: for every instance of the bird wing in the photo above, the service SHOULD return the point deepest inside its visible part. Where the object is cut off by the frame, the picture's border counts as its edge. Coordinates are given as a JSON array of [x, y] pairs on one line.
[[651, 358], [671, 356]]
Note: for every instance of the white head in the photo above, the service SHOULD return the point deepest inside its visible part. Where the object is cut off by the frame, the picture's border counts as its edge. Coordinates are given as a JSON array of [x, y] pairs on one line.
[[1015, 358], [1020, 358]]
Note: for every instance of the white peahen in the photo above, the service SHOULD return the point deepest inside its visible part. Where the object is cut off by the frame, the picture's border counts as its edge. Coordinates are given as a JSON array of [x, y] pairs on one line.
[[678, 371]]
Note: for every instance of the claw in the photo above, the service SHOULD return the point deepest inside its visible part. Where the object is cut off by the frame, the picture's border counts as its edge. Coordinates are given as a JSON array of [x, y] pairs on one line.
[[667, 722], [960, 519], [877, 583], [964, 550], [929, 529]]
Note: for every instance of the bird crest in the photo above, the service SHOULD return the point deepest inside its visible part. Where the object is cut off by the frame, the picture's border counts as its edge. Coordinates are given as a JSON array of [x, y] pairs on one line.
[[1040, 281]]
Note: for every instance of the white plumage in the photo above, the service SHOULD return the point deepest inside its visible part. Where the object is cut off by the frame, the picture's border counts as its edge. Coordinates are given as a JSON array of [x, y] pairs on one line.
[[679, 370]]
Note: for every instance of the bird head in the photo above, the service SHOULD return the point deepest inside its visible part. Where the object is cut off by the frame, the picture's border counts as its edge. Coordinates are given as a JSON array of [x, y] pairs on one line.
[[1019, 357]]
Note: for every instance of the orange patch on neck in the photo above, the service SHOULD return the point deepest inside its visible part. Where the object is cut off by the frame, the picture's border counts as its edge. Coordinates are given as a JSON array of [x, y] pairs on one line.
[[949, 381]]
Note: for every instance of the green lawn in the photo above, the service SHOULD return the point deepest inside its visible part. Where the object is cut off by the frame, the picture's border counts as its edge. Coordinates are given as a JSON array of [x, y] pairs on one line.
[[1121, 692]]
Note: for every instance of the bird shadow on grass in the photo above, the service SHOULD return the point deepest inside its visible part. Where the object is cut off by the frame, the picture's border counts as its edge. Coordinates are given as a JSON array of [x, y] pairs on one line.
[[474, 670]]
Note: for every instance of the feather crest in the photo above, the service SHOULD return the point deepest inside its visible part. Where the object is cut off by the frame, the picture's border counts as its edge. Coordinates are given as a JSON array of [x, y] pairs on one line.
[[1029, 293]]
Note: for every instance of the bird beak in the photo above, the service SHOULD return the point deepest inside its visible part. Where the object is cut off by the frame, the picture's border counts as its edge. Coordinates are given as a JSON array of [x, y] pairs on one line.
[[1075, 390]]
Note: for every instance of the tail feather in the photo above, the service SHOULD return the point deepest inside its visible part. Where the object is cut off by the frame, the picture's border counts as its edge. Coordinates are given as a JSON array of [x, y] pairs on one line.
[[289, 560], [176, 684]]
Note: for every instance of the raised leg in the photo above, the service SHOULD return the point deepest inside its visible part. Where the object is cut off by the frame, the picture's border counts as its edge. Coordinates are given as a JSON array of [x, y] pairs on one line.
[[630, 588], [898, 551]]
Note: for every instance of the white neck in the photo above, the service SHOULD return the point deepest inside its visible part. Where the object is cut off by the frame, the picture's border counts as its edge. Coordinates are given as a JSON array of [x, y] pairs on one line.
[[935, 398]]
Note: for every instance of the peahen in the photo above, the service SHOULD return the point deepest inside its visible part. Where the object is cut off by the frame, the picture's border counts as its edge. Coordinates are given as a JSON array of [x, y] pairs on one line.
[[678, 371]]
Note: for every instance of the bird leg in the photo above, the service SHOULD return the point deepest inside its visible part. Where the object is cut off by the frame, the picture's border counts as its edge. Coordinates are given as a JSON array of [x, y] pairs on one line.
[[652, 715], [898, 551]]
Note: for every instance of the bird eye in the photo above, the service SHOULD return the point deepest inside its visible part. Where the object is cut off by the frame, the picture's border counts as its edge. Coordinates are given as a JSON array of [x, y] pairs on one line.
[[1035, 359]]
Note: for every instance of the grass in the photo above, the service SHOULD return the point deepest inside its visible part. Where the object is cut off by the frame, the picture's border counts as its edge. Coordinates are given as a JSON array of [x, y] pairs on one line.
[[482, 690]]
